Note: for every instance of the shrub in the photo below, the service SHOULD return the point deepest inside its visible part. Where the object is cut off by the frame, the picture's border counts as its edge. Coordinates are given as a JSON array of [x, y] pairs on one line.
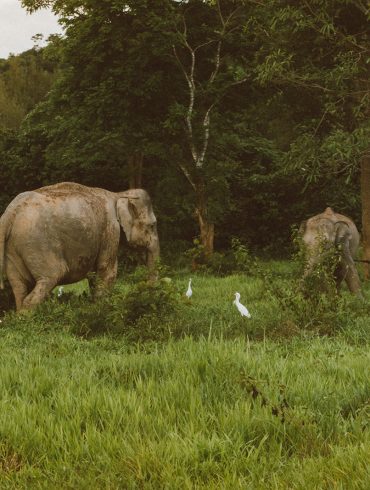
[[197, 255], [140, 314], [153, 300], [235, 260], [145, 311], [311, 302]]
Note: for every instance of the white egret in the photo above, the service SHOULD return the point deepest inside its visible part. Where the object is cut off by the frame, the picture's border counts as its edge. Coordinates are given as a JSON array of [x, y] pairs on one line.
[[242, 309], [189, 292], [60, 291]]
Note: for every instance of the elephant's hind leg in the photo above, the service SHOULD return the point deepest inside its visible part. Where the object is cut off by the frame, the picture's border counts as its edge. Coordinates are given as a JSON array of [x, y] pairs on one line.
[[41, 290], [19, 286], [352, 279], [20, 293]]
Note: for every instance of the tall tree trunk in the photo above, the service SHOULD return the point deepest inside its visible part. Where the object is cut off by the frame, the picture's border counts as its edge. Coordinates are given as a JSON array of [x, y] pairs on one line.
[[207, 229], [207, 233], [365, 201], [135, 169]]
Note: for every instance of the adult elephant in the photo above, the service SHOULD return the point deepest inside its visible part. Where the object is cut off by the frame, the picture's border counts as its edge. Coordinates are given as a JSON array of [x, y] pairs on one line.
[[328, 229], [59, 233]]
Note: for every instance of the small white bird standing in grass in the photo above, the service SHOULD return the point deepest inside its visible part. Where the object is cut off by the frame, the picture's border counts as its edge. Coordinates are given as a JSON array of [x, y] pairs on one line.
[[189, 292], [60, 291], [242, 309]]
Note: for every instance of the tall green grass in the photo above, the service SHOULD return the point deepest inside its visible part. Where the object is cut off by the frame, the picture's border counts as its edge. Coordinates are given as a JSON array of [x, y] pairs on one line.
[[225, 403]]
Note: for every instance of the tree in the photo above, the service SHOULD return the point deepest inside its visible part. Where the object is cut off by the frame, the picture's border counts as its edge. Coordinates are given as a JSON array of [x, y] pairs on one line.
[[208, 47], [103, 115], [25, 79], [122, 96], [322, 48], [226, 108]]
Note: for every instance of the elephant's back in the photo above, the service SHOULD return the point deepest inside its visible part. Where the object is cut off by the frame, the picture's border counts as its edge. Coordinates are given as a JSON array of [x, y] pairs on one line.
[[66, 225], [59, 204]]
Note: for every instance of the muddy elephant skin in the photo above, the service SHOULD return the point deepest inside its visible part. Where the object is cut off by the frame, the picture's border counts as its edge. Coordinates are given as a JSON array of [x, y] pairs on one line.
[[59, 233], [340, 231]]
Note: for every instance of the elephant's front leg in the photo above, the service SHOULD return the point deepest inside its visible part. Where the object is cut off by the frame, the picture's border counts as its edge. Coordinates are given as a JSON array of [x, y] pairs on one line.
[[106, 264]]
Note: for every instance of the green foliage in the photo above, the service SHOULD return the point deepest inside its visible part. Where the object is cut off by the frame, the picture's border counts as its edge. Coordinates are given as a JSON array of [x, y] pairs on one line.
[[312, 301], [131, 262], [139, 313], [24, 81], [146, 309], [10, 180], [318, 48], [196, 253], [237, 259], [283, 145], [206, 411], [242, 256], [98, 116]]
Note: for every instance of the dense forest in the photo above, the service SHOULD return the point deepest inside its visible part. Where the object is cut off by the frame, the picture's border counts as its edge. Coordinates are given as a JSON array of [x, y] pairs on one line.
[[239, 117]]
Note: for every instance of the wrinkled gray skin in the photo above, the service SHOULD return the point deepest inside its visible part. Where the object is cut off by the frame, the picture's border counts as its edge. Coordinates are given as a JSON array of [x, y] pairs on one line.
[[58, 234], [334, 229]]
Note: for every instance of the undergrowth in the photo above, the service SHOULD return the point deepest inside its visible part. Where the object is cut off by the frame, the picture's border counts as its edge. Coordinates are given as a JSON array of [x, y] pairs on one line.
[[145, 311], [147, 389]]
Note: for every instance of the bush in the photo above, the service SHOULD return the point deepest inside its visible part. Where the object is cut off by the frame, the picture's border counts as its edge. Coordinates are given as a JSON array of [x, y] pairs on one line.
[[140, 314], [154, 300], [237, 259], [312, 302]]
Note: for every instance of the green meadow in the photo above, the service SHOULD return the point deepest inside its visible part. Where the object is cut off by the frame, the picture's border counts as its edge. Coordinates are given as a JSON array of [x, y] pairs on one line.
[[192, 397]]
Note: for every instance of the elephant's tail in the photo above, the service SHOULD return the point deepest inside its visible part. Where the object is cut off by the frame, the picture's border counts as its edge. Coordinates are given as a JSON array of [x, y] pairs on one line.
[[5, 225]]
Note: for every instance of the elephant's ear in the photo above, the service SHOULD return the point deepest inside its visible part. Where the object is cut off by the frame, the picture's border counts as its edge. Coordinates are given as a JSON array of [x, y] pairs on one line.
[[342, 234], [126, 214]]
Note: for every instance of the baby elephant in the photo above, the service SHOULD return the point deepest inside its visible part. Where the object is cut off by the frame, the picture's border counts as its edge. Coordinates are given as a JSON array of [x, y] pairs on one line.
[[331, 228]]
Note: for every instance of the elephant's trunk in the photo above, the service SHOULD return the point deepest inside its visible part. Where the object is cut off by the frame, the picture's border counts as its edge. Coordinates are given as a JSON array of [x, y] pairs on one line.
[[153, 253]]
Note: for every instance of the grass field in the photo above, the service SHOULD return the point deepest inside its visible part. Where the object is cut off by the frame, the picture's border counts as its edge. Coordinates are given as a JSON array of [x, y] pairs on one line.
[[209, 400]]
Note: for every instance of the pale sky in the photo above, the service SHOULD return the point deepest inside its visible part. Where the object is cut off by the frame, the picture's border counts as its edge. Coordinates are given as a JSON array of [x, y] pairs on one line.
[[17, 27]]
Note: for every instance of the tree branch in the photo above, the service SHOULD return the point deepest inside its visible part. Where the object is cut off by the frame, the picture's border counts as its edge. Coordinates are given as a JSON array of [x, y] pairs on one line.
[[217, 63], [346, 39], [191, 84], [187, 175], [206, 124], [199, 150]]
